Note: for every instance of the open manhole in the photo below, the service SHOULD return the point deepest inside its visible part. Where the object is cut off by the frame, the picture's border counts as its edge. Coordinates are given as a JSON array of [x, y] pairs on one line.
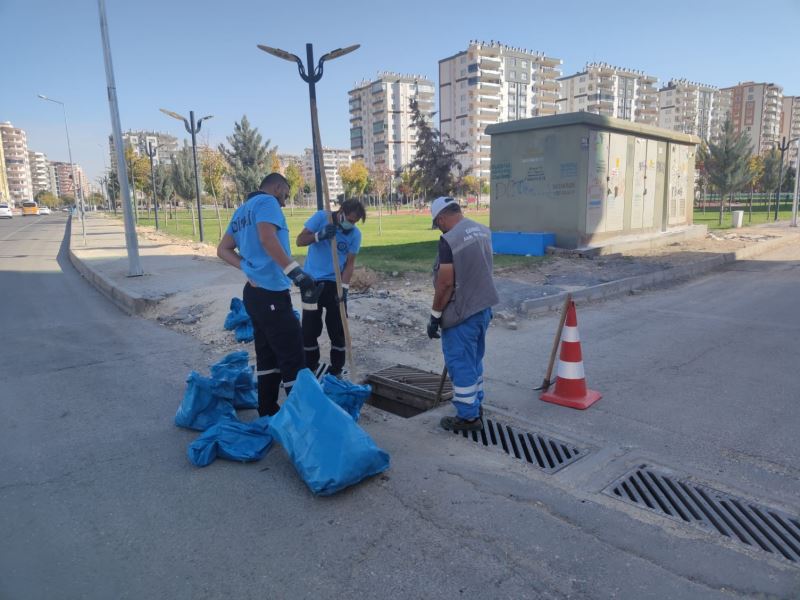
[[407, 391], [542, 451], [739, 519]]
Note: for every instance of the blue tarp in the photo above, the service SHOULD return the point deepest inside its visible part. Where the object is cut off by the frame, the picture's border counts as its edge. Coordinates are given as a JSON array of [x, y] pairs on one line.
[[204, 403], [239, 320], [328, 449], [237, 374], [348, 395], [243, 442]]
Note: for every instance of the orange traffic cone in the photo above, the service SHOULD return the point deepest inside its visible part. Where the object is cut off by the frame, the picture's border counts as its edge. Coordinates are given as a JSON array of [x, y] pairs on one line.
[[571, 387]]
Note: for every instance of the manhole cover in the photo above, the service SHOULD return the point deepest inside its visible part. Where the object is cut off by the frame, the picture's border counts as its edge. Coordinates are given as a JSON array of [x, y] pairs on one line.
[[407, 391], [542, 451], [737, 518]]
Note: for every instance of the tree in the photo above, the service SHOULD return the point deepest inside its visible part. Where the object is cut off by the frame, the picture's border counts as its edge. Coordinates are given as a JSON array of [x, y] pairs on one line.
[[727, 163], [380, 178], [788, 180], [138, 169], [47, 198], [756, 167], [295, 179], [182, 174], [769, 179], [96, 199], [435, 168], [249, 157], [164, 185], [213, 168], [470, 185], [354, 178], [67, 200]]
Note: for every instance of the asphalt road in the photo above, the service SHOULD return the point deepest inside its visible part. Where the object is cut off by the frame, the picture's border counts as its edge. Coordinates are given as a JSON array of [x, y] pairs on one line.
[[97, 499]]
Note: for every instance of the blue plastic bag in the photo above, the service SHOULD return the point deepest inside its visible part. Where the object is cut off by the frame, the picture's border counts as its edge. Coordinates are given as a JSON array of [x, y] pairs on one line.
[[328, 449], [235, 372], [237, 316], [244, 332], [204, 403], [234, 440], [348, 395]]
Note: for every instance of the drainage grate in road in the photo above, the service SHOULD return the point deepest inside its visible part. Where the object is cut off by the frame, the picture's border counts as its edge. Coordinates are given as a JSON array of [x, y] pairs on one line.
[[549, 454], [752, 524]]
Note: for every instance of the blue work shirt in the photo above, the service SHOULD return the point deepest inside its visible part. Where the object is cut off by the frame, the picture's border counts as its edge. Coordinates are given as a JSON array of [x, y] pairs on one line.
[[319, 262], [256, 263]]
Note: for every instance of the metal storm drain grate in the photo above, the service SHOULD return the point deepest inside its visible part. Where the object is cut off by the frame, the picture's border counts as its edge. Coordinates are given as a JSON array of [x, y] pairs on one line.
[[407, 391], [737, 518], [541, 451]]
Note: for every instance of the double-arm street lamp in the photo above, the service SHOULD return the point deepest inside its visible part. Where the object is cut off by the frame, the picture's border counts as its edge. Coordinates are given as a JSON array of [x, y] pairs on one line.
[[783, 146], [192, 127], [311, 76], [151, 152], [75, 187]]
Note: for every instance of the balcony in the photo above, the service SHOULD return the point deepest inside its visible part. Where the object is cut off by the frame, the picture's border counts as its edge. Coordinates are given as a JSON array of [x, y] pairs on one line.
[[490, 62], [490, 101], [489, 86]]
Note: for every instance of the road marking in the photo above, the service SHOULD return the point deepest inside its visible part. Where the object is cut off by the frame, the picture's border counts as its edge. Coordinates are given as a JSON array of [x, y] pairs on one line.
[[20, 229]]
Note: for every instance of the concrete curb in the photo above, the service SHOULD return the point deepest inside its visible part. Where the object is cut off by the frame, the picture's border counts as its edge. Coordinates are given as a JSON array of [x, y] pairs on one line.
[[624, 286]]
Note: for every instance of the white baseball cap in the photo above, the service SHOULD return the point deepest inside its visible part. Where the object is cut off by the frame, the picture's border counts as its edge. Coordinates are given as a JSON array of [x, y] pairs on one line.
[[439, 204]]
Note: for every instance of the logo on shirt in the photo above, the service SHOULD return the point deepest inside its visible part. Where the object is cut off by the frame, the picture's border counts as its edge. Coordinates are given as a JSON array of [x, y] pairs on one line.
[[341, 247], [241, 222]]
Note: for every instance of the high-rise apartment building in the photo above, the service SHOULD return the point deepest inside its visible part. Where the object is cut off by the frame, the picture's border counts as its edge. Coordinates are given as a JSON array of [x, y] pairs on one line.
[[5, 195], [40, 172], [166, 146], [790, 125], [332, 160], [18, 174], [63, 177], [381, 133], [756, 112], [490, 83], [611, 91], [691, 107]]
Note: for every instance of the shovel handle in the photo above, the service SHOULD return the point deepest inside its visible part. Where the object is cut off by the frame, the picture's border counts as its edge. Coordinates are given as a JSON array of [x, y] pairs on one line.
[[556, 340]]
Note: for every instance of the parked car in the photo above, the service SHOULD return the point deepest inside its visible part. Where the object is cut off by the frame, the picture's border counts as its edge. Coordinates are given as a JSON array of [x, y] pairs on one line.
[[44, 210], [5, 211]]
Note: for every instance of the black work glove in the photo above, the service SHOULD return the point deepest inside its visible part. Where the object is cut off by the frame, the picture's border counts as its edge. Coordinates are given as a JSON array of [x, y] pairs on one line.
[[433, 326], [310, 290], [327, 233]]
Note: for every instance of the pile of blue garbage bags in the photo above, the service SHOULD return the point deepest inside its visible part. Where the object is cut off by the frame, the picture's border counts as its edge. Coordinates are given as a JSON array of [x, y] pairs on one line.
[[239, 321], [317, 425]]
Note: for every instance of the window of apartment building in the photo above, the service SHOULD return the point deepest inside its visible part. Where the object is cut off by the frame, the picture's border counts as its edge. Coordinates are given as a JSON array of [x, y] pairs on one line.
[[463, 84], [523, 64], [464, 58], [463, 72], [523, 76], [581, 79]]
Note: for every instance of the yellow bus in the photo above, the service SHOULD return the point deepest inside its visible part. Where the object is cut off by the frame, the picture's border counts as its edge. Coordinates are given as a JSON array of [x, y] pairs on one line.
[[30, 208]]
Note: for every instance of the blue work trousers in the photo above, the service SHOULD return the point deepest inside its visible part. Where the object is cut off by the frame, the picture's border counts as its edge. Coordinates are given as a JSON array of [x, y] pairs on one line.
[[463, 347]]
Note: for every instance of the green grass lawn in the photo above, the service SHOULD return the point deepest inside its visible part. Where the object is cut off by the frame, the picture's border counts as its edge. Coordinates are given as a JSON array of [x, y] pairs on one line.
[[711, 216], [393, 242]]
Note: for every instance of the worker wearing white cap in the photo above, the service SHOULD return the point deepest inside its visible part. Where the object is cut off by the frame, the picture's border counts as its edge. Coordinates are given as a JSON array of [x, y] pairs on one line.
[[464, 293]]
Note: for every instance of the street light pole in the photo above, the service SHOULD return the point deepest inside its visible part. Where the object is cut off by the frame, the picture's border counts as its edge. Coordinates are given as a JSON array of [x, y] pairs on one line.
[[796, 186], [192, 127], [131, 242], [151, 153], [312, 75], [783, 147], [78, 196]]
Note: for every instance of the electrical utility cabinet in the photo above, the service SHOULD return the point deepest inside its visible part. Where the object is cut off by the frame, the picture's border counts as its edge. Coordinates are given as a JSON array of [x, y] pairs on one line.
[[588, 178]]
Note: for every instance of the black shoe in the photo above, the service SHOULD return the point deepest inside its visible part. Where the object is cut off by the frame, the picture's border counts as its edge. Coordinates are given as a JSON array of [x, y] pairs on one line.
[[459, 424]]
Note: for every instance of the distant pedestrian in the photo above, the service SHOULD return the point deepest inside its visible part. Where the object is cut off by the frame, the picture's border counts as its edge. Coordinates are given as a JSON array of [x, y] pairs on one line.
[[464, 293], [259, 232], [318, 235]]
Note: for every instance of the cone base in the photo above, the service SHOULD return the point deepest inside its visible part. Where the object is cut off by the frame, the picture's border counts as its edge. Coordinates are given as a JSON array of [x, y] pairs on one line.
[[580, 403]]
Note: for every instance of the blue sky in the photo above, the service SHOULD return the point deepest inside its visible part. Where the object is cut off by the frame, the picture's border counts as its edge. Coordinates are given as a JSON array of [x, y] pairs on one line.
[[202, 55]]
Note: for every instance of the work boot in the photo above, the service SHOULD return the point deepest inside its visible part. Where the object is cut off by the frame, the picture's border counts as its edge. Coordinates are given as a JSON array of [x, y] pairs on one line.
[[459, 424]]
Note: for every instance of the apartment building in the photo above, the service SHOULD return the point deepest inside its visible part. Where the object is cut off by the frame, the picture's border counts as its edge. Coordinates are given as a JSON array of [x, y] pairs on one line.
[[332, 160], [63, 177], [756, 111], [381, 133], [691, 107], [40, 172], [611, 91], [790, 125], [5, 196], [18, 173], [166, 146], [490, 83]]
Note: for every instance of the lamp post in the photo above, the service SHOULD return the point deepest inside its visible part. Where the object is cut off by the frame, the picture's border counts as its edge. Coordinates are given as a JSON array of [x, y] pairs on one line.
[[151, 153], [783, 147], [78, 193], [796, 186], [131, 242], [192, 127], [312, 75]]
